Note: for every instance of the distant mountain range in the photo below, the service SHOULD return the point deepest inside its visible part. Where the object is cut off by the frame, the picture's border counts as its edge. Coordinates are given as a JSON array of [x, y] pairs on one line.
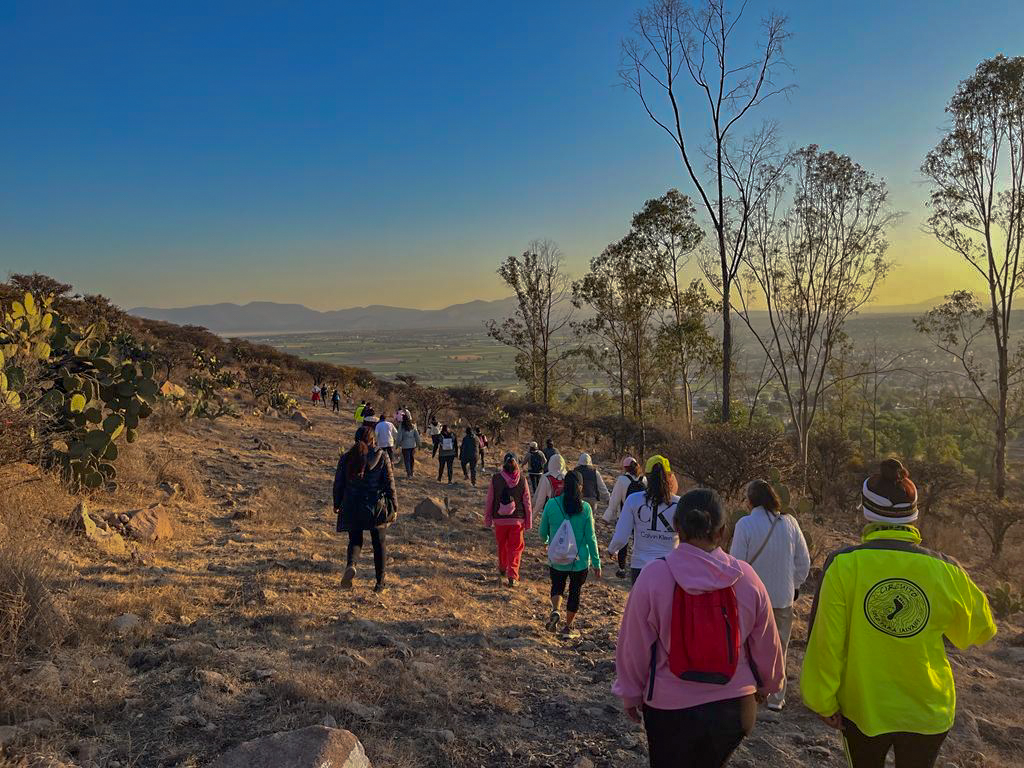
[[263, 317]]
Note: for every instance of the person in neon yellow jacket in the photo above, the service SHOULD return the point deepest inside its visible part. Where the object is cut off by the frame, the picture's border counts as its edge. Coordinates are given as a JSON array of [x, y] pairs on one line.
[[876, 666]]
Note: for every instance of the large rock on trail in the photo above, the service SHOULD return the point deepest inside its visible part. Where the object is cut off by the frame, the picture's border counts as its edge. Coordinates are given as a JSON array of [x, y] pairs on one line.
[[299, 418], [151, 524], [313, 747], [109, 542], [431, 509]]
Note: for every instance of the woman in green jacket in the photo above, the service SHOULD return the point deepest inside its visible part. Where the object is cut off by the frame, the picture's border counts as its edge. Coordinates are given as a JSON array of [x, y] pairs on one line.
[[570, 506]]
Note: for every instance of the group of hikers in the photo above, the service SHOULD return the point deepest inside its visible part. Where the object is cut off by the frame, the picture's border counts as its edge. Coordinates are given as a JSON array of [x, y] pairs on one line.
[[322, 393], [705, 632]]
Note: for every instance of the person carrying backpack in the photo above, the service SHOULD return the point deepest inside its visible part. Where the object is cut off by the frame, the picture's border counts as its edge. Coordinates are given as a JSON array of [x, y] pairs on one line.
[[386, 434], [359, 411], [594, 488], [536, 461], [631, 481], [549, 449], [876, 666], [567, 527], [336, 401], [550, 484], [364, 499], [409, 441], [647, 518], [434, 433], [468, 452], [447, 444], [697, 644], [508, 511], [482, 440], [774, 545]]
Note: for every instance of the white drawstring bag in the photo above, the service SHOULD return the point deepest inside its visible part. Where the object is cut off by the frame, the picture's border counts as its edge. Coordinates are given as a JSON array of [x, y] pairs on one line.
[[562, 548]]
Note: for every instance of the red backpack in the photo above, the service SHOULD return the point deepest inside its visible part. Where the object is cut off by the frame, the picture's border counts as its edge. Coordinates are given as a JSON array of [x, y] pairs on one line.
[[557, 486], [705, 645]]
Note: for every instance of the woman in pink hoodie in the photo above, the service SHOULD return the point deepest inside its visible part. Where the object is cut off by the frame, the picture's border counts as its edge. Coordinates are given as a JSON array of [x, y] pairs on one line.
[[508, 510], [698, 643]]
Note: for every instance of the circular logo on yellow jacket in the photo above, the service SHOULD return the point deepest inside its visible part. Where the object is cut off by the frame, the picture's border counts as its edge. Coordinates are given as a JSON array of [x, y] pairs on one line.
[[897, 607]]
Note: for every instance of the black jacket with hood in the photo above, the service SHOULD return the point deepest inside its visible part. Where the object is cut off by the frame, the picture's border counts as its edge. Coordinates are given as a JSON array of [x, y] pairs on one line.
[[365, 502]]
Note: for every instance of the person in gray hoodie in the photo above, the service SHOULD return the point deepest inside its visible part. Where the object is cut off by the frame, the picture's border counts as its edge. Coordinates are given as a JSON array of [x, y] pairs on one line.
[[408, 441]]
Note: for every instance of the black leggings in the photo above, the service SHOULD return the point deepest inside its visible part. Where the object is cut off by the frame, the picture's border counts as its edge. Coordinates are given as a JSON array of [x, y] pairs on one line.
[[913, 750], [355, 546], [469, 469], [698, 737], [622, 556], [576, 581], [445, 462]]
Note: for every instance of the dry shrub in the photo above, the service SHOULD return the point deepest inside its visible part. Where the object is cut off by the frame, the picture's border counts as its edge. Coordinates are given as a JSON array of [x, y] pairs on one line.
[[31, 619], [165, 419], [142, 466]]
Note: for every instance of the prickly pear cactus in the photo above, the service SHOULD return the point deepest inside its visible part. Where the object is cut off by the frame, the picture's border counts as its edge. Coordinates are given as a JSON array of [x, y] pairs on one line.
[[87, 396], [207, 382]]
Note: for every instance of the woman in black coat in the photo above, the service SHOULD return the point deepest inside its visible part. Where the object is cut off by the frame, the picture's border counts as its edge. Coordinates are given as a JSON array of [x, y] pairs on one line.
[[364, 499]]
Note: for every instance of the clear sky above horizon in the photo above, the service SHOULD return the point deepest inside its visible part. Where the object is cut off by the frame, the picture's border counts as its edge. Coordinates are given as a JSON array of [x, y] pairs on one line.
[[338, 154]]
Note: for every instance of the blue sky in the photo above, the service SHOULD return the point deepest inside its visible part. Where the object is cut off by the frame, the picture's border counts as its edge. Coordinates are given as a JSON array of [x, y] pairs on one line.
[[334, 154]]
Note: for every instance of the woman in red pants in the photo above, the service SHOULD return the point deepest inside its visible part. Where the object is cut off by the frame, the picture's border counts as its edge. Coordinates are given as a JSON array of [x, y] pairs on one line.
[[508, 510]]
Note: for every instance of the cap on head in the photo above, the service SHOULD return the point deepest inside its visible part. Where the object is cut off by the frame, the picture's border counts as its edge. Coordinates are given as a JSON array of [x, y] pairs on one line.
[[585, 460], [628, 462], [654, 461], [508, 456], [533, 444]]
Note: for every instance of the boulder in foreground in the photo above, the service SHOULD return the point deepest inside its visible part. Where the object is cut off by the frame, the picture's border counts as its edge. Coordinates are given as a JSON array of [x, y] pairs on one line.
[[431, 509], [313, 747]]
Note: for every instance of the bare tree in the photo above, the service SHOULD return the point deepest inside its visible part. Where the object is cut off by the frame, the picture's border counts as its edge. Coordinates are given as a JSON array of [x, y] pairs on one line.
[[811, 268], [678, 47], [539, 328], [977, 205]]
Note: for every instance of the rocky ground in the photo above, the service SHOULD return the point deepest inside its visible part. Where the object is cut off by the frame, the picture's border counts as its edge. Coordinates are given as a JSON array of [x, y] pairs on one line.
[[235, 628]]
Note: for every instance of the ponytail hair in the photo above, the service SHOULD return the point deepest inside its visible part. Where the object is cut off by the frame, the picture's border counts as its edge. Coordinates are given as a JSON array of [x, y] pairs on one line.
[[572, 501], [355, 459], [761, 494], [893, 471], [699, 515], [661, 486]]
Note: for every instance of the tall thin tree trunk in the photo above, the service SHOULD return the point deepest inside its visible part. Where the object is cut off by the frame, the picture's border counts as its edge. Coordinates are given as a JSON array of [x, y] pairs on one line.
[[726, 345]]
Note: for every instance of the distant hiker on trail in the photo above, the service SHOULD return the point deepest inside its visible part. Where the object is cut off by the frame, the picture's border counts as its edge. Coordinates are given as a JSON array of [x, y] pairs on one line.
[[631, 481], [447, 449], [364, 499], [549, 448], [594, 488], [315, 397], [359, 411], [551, 483], [697, 644], [386, 435], [336, 401], [567, 527], [508, 511], [468, 453], [647, 518], [401, 413], [482, 440], [774, 545], [408, 441], [876, 665], [535, 462], [434, 433], [370, 417]]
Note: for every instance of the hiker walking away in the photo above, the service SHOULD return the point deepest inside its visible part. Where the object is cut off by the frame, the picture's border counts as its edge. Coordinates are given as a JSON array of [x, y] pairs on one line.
[[774, 545], [401, 413], [386, 434], [482, 440], [697, 644], [364, 499], [434, 433], [408, 441], [447, 448], [549, 449], [648, 518], [370, 417], [508, 511], [336, 401], [359, 411], [315, 397], [631, 481], [551, 483], [468, 452], [876, 665], [594, 488], [567, 527], [536, 461]]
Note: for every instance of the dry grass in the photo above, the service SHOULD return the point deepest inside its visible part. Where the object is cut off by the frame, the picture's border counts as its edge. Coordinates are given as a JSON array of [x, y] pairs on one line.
[[31, 619], [144, 465]]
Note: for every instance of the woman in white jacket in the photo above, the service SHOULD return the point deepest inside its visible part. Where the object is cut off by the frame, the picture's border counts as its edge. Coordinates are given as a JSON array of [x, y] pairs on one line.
[[631, 480], [647, 517], [774, 546], [551, 484]]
